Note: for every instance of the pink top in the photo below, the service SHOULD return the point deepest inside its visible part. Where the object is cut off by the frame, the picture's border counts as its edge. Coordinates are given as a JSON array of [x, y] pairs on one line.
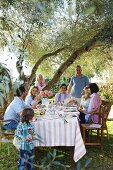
[[40, 85], [95, 103]]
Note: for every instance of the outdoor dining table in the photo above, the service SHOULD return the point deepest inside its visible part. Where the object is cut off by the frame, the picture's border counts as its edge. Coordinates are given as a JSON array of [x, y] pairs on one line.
[[61, 131]]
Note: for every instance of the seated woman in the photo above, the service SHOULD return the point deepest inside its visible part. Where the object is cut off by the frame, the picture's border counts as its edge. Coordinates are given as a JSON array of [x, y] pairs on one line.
[[62, 95], [40, 82], [85, 100], [94, 105], [32, 98]]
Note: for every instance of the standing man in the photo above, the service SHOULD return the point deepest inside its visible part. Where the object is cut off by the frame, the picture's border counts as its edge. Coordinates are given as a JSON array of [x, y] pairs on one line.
[[15, 108], [77, 83]]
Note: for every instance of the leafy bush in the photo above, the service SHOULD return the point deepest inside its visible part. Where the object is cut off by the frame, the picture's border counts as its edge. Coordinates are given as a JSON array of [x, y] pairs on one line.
[[106, 92]]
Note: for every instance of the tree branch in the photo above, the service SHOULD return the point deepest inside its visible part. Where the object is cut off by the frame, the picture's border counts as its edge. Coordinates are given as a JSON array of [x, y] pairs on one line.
[[32, 76], [86, 47]]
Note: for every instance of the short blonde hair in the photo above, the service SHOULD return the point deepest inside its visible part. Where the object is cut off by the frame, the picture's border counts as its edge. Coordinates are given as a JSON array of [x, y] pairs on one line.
[[87, 93], [40, 76]]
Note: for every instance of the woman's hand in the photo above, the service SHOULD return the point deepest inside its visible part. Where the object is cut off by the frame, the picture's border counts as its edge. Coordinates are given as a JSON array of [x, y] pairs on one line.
[[94, 111], [38, 97]]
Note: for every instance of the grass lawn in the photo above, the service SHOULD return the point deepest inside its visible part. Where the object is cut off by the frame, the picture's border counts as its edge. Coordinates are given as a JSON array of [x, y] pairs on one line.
[[101, 160]]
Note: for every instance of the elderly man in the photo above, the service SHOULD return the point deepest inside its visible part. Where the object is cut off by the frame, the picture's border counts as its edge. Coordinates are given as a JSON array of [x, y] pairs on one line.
[[77, 83], [15, 109]]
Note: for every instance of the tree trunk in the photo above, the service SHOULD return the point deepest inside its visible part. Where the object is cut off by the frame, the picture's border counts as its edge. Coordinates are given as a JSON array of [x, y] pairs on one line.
[[10, 95], [33, 72]]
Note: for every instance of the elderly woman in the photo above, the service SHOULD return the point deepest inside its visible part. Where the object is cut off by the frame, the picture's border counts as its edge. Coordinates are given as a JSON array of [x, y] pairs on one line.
[[94, 105], [32, 98], [40, 82]]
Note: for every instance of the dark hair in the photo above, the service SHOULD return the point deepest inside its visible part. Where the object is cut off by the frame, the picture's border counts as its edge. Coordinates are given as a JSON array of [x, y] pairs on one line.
[[20, 90], [27, 114], [93, 88], [78, 66], [63, 85]]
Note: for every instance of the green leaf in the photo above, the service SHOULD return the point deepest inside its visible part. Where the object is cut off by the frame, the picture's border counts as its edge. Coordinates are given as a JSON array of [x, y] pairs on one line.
[[2, 87], [57, 163], [89, 10], [39, 138], [59, 156], [54, 153], [7, 87], [1, 100], [5, 78], [49, 156], [88, 162]]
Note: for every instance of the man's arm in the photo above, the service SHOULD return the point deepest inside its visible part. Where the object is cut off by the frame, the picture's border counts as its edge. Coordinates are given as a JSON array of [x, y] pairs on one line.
[[87, 81], [20, 113], [69, 88]]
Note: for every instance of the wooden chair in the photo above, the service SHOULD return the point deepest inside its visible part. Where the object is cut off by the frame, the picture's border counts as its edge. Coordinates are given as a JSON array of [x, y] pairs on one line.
[[91, 138], [105, 117], [6, 135]]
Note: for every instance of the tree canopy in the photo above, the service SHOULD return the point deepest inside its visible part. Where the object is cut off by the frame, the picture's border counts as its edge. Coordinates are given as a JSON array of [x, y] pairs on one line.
[[53, 36]]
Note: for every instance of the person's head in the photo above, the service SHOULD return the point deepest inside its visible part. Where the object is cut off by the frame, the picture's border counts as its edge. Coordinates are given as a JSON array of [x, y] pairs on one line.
[[27, 115], [40, 78], [63, 88], [86, 92], [21, 92], [93, 88], [78, 70], [33, 91]]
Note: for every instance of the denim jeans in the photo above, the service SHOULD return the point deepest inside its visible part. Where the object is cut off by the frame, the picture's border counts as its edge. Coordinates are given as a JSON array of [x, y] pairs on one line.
[[11, 125], [82, 117], [26, 158]]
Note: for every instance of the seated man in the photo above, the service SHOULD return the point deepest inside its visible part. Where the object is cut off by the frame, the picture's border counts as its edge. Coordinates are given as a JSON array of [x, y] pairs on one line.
[[62, 95], [15, 108]]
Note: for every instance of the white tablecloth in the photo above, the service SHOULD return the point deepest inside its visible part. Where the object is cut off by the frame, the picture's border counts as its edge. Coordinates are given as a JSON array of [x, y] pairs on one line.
[[57, 133]]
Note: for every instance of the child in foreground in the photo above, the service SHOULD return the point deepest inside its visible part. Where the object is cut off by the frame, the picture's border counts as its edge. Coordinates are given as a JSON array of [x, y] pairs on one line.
[[25, 135]]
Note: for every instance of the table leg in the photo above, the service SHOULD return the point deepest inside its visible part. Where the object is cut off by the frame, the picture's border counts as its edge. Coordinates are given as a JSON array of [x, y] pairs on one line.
[[35, 151], [73, 164]]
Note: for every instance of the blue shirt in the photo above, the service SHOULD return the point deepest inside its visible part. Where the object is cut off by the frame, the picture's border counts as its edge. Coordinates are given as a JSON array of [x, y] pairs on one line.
[[78, 83], [16, 106], [29, 101], [61, 97]]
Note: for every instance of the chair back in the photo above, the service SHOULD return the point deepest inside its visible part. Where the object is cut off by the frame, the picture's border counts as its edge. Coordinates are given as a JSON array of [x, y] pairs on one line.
[[104, 112]]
